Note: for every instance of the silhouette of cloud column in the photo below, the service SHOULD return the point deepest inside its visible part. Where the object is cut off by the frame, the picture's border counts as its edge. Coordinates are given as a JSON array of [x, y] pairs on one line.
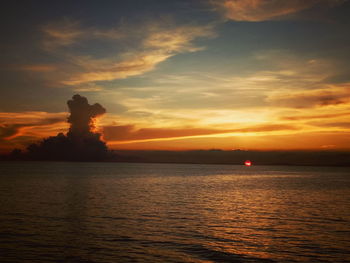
[[82, 116], [81, 142]]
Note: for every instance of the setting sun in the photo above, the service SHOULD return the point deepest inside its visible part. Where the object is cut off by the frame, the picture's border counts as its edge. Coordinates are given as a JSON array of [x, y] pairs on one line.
[[247, 163]]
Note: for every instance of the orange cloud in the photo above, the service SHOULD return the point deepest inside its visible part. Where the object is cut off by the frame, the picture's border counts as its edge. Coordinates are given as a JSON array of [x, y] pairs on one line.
[[297, 141], [336, 125], [7, 131], [131, 133], [31, 124], [267, 128], [310, 117], [262, 10]]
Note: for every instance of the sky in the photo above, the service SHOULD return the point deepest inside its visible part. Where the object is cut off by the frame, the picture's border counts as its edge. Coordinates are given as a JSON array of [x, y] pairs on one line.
[[181, 74]]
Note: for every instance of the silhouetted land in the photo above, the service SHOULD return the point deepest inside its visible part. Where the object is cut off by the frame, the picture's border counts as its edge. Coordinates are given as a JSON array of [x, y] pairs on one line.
[[307, 158], [317, 158]]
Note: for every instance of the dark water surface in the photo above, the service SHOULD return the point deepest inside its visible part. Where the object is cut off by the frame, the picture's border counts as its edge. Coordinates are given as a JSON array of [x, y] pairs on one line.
[[115, 212]]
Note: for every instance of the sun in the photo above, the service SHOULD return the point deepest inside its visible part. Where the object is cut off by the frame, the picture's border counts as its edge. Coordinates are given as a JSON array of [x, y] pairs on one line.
[[248, 163]]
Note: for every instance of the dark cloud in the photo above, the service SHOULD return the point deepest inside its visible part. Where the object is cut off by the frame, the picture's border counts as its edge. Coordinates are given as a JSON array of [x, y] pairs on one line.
[[8, 130], [310, 99], [342, 125], [268, 128], [81, 143], [310, 117], [82, 116]]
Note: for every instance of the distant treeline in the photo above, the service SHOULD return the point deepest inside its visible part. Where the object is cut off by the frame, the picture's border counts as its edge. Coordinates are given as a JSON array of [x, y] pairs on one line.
[[308, 158], [317, 158]]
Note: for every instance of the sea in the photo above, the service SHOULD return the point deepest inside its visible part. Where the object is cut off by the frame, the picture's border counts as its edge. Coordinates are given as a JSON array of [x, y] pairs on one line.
[[142, 212]]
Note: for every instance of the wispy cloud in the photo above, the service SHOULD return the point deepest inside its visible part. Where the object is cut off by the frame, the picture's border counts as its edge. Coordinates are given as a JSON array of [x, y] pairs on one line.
[[328, 96], [203, 91], [158, 45], [178, 39], [68, 32], [129, 133], [341, 125], [14, 124], [31, 67], [89, 87], [136, 65], [262, 10], [62, 33], [313, 116]]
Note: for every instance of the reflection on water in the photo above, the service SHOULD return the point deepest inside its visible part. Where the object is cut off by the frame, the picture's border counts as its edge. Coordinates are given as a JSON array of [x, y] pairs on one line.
[[112, 212]]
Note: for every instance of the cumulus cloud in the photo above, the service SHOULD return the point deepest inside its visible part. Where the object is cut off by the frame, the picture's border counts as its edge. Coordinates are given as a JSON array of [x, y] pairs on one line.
[[82, 116], [262, 10], [81, 143]]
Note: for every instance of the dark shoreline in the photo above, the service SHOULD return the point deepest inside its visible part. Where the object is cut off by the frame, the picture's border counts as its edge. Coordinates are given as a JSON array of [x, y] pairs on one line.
[[219, 157], [185, 163]]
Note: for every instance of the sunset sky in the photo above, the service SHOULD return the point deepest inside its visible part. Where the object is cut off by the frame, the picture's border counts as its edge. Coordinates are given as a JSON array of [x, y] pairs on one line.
[[180, 74]]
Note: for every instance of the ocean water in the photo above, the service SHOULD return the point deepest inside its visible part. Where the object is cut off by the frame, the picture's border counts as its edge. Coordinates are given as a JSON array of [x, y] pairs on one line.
[[119, 212]]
